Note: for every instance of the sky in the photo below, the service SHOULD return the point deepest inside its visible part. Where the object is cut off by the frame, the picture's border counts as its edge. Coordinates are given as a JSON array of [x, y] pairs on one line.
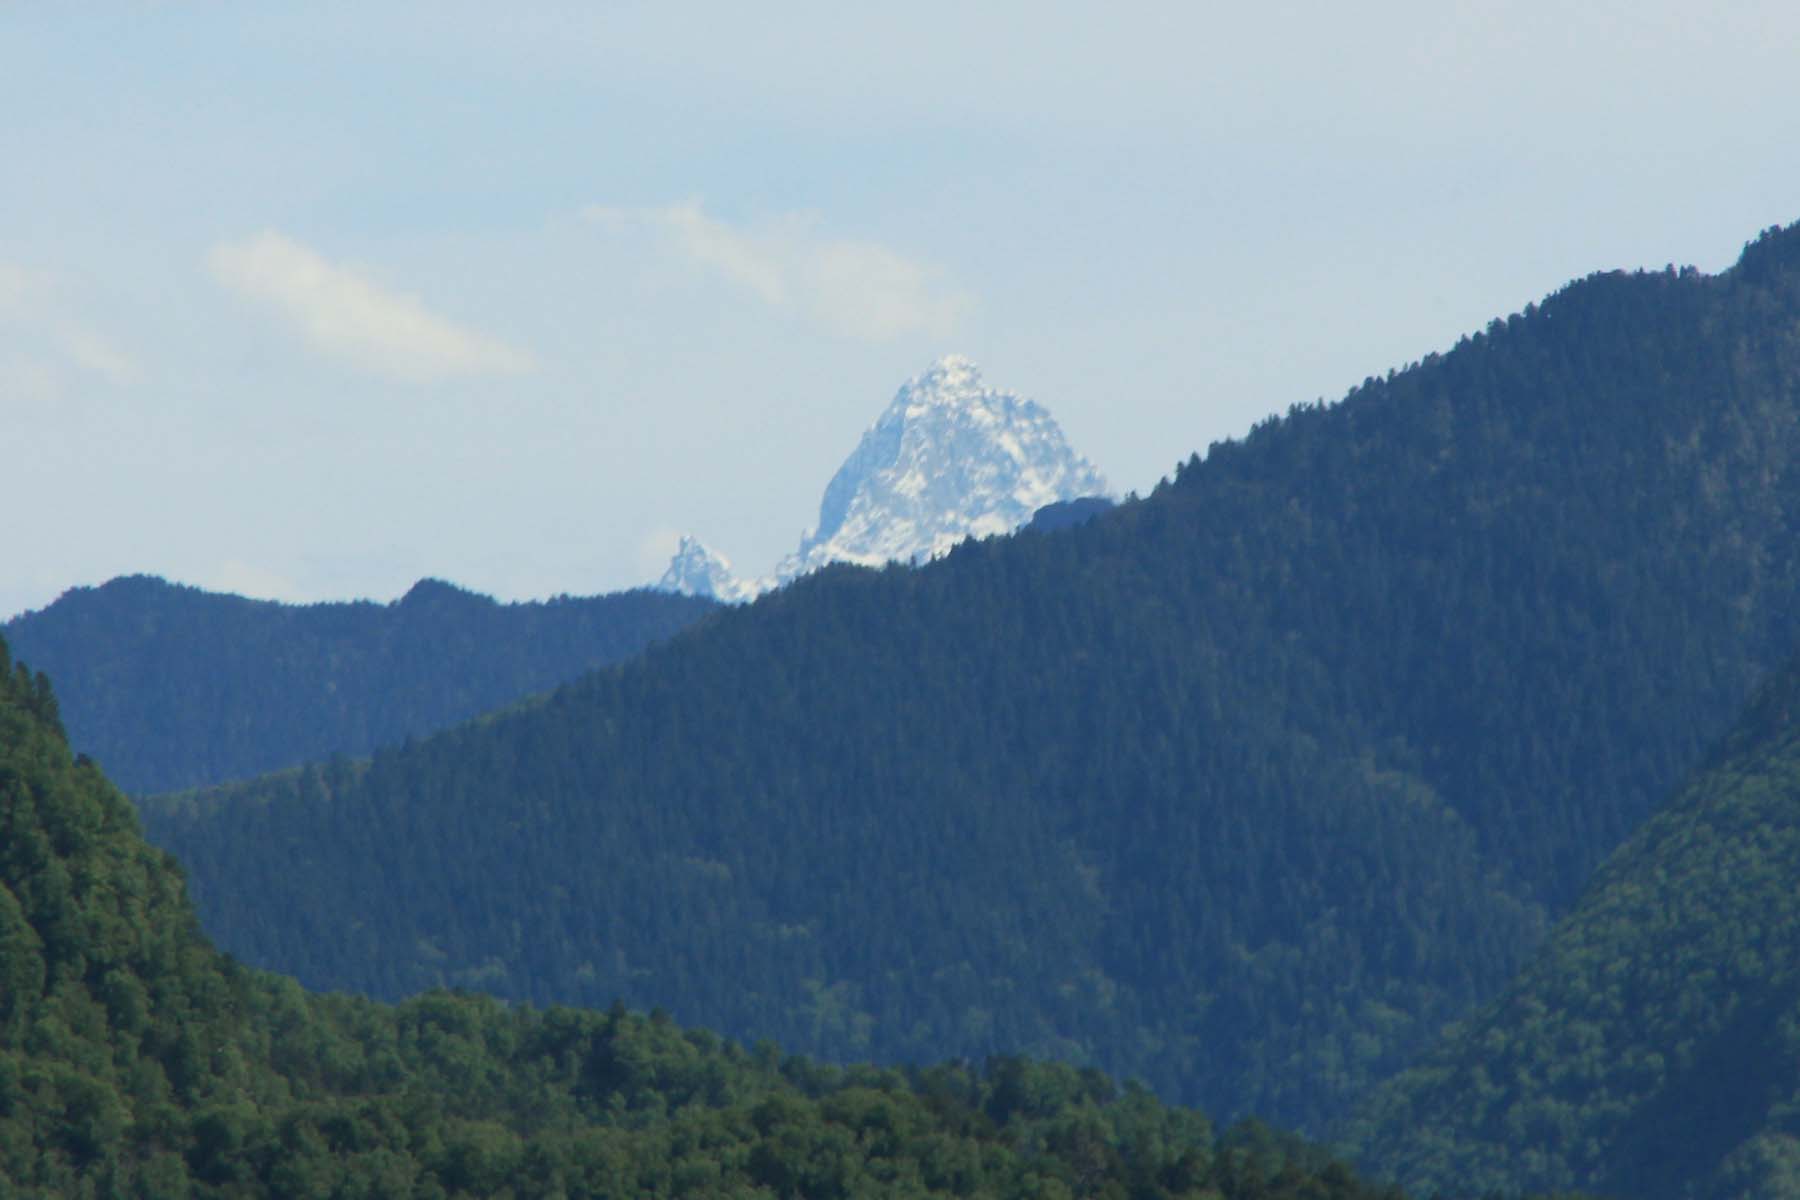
[[308, 302]]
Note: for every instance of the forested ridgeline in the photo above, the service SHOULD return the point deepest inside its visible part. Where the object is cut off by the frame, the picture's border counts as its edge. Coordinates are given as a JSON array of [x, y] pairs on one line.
[[171, 687], [1652, 1049], [1245, 788], [136, 1061]]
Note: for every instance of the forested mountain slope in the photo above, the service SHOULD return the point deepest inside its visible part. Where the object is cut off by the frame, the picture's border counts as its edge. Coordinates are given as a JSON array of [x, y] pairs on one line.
[[1245, 788], [171, 687], [1652, 1049], [137, 1061]]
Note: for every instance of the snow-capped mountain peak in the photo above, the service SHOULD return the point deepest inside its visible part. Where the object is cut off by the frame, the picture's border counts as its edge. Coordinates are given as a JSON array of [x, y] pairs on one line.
[[699, 570], [945, 381], [948, 459]]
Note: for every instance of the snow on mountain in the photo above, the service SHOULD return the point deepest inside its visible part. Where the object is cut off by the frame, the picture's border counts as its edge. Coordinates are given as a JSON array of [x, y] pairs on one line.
[[699, 570], [949, 459]]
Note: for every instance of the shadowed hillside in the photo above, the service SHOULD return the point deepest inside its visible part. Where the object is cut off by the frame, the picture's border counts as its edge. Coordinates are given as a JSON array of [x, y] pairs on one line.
[[1652, 1049], [172, 687]]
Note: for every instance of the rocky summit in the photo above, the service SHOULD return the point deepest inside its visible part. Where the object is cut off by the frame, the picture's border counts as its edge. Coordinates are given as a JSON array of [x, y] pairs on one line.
[[949, 459]]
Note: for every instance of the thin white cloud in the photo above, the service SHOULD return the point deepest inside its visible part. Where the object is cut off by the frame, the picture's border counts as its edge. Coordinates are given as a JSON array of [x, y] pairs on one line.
[[859, 289], [35, 317], [16, 287], [94, 354], [27, 381], [341, 313]]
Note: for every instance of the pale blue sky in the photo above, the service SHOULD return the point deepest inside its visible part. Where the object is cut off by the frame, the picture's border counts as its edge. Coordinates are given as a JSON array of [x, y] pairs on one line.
[[309, 302]]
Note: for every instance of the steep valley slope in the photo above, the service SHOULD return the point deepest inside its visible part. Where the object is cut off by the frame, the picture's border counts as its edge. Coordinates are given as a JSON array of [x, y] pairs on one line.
[[1652, 1049]]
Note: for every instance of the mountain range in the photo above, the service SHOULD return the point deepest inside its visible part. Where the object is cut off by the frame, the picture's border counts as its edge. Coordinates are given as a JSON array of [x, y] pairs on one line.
[[1264, 788], [1249, 787], [948, 459], [172, 687]]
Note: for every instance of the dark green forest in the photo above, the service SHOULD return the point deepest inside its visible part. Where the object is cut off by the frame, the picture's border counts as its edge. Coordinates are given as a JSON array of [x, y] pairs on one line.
[[137, 1061], [171, 687], [1246, 788], [1652, 1049]]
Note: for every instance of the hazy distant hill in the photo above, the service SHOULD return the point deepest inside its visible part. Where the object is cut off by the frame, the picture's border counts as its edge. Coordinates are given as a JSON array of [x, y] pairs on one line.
[[172, 687], [1247, 787], [137, 1061], [1652, 1049]]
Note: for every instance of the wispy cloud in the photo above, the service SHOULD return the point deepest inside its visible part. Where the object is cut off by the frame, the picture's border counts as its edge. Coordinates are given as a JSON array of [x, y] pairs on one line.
[[16, 286], [35, 314], [860, 289], [343, 314]]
